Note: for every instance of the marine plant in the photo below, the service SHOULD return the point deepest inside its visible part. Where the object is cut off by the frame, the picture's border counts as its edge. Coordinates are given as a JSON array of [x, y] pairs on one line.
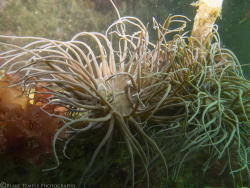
[[25, 130]]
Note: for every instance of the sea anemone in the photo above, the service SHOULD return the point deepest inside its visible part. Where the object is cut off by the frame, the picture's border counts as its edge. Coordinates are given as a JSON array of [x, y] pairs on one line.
[[166, 99], [99, 85]]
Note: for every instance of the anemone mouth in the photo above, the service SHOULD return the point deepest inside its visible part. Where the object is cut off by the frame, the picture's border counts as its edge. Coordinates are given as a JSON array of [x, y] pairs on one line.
[[98, 84], [151, 93]]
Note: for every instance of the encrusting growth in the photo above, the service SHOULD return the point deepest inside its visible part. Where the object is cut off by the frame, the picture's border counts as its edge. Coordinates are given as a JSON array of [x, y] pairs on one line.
[[207, 13]]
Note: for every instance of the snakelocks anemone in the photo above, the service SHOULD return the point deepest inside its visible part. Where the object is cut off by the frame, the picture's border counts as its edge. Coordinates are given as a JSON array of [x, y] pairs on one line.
[[167, 99]]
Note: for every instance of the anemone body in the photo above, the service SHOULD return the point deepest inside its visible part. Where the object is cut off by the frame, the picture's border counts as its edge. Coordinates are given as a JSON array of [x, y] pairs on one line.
[[166, 99]]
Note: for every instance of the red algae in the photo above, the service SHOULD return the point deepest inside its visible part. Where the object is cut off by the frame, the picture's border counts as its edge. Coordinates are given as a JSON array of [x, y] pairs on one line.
[[26, 131]]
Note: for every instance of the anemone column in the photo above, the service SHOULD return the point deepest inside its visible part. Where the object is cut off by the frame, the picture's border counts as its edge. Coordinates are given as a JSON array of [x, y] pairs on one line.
[[207, 13]]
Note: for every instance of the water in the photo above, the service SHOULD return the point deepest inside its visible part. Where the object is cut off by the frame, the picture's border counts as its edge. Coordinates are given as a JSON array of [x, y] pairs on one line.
[[235, 36], [62, 19]]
